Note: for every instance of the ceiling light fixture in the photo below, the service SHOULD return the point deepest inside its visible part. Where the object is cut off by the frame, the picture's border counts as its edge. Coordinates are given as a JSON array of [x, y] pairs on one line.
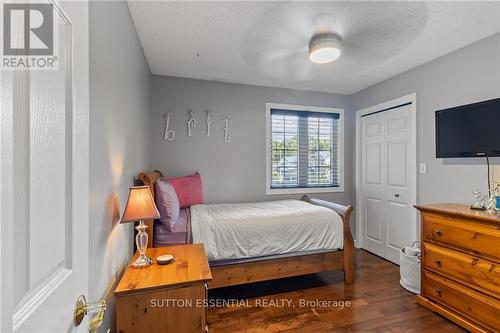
[[324, 48]]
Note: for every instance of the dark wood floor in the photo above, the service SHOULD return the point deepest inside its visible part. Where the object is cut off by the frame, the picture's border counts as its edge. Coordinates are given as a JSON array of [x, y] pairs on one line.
[[378, 304]]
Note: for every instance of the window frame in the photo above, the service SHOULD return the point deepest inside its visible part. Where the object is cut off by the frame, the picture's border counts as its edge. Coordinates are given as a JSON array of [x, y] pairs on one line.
[[341, 159]]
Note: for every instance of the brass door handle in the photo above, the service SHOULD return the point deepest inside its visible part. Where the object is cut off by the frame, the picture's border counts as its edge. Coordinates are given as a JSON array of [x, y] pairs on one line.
[[82, 308]]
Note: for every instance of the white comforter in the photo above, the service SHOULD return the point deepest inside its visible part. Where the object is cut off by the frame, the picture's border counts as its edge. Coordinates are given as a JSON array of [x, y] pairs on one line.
[[231, 231]]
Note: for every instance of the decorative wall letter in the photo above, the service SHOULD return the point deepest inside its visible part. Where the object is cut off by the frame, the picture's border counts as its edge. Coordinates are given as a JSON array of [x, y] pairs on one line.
[[208, 121], [191, 122], [168, 134], [227, 137]]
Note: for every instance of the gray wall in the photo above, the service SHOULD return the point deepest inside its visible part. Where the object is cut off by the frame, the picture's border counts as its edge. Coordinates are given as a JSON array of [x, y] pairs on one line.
[[233, 172], [120, 86], [467, 75]]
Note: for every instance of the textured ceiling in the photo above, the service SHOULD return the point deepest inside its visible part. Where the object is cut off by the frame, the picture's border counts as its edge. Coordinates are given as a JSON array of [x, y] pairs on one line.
[[265, 43]]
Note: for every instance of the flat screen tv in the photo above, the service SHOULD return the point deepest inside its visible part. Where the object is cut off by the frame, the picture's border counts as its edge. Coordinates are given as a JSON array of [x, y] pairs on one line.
[[471, 130]]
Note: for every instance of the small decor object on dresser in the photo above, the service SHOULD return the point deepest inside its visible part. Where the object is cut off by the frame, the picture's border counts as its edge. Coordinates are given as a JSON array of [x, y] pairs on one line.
[[461, 265], [164, 259], [496, 196], [481, 200]]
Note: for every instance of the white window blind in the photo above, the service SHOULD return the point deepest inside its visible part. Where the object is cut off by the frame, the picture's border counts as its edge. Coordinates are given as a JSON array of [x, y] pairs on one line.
[[304, 149]]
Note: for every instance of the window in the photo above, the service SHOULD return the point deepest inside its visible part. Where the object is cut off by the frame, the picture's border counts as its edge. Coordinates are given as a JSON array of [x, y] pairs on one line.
[[304, 149]]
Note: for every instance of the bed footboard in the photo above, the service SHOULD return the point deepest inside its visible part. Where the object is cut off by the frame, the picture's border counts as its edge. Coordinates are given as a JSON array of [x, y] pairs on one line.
[[345, 213]]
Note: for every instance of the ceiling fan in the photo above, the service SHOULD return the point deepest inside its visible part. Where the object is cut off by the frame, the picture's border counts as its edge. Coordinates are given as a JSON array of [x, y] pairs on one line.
[[291, 39]]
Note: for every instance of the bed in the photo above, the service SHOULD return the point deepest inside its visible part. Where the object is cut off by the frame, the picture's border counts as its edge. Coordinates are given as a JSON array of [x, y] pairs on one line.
[[300, 237]]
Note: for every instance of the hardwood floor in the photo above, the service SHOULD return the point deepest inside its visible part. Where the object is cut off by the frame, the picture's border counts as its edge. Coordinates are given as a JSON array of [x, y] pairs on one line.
[[378, 304]]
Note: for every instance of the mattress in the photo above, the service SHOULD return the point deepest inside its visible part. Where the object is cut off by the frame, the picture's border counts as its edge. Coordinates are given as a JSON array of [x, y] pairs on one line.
[[181, 234], [249, 230]]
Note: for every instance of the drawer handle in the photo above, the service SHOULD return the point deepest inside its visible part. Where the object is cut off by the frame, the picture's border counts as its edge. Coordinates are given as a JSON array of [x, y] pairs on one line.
[[439, 291], [438, 233], [438, 262]]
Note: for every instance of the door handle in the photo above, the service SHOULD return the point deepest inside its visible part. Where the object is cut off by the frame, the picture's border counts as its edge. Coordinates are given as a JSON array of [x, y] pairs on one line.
[[82, 308], [396, 195]]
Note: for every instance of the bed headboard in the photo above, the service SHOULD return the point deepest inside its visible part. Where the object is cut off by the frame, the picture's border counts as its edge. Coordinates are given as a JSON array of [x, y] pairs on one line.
[[149, 179]]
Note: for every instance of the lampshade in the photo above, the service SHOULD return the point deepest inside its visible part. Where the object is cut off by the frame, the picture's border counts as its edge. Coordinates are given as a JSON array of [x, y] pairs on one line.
[[140, 205]]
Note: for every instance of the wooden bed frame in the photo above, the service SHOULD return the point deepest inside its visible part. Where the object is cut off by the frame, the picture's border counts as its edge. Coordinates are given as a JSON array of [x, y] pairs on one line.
[[282, 267]]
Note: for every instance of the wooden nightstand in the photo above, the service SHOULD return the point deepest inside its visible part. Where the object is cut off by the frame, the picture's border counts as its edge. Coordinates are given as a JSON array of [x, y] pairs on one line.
[[165, 298]]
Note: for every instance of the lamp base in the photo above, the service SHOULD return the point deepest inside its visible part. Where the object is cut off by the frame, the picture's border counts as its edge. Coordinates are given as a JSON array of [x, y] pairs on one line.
[[142, 261]]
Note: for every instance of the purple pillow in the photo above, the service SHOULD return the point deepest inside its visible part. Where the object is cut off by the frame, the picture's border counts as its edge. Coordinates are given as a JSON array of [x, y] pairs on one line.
[[167, 203]]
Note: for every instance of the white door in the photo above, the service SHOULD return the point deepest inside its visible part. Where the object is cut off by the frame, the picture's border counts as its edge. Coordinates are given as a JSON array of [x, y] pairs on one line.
[[388, 180], [44, 183], [373, 183]]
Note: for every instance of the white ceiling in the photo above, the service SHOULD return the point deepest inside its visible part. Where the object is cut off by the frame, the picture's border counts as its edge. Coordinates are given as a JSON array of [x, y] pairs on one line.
[[265, 43]]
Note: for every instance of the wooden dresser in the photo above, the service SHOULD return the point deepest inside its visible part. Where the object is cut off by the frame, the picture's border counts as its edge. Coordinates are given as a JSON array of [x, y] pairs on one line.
[[461, 265], [165, 298]]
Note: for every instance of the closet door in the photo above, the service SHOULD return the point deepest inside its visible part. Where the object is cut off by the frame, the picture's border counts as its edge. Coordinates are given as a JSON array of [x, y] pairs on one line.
[[388, 186], [400, 221], [373, 174]]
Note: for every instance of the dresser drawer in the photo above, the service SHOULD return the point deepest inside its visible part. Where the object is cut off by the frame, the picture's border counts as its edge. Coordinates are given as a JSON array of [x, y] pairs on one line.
[[477, 273], [469, 303], [467, 235]]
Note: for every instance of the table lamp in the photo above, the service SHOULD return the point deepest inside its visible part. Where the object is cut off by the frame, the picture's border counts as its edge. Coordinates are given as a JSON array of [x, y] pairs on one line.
[[140, 206]]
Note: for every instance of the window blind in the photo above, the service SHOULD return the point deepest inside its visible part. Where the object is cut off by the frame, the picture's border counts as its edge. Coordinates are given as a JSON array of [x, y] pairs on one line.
[[304, 149]]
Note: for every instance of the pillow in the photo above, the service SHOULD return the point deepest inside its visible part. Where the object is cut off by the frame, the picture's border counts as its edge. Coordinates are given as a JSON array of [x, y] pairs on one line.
[[188, 189], [167, 203]]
